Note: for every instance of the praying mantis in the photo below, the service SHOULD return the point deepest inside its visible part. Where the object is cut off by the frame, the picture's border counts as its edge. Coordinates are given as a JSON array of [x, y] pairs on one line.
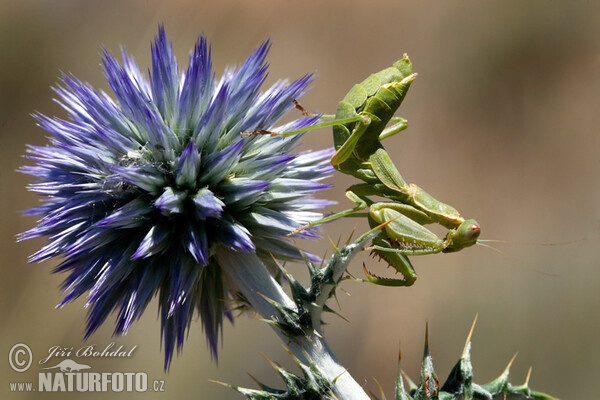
[[359, 127]]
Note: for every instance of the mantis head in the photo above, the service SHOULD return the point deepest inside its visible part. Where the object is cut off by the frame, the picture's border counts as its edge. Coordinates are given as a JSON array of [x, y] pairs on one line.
[[464, 236]]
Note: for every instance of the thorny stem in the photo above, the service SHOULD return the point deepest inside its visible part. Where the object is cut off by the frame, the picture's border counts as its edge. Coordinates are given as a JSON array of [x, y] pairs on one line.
[[250, 276], [335, 269]]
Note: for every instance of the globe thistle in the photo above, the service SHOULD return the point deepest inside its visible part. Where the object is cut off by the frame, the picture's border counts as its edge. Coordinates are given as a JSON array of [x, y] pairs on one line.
[[142, 192]]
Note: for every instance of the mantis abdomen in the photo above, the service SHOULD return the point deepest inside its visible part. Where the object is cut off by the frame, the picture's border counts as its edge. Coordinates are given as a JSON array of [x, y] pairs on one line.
[[376, 98]]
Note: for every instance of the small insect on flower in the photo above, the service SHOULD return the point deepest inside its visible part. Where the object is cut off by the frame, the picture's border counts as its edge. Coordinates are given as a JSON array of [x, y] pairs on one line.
[[131, 157], [141, 192]]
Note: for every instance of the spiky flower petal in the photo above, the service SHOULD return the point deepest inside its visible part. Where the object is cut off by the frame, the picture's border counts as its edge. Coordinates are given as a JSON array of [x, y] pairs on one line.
[[142, 191]]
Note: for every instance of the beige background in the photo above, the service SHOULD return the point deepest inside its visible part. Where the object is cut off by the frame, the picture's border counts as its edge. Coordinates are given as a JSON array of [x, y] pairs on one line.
[[504, 126]]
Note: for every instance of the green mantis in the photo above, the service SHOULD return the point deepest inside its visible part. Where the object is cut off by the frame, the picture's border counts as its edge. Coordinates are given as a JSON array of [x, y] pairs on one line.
[[359, 127]]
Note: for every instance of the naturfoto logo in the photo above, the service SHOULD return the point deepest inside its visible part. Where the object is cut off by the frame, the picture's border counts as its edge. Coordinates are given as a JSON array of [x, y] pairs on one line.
[[68, 375], [70, 378]]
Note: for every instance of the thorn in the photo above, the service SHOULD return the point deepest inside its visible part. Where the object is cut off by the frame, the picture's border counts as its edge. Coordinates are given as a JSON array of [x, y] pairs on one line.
[[380, 389], [511, 361], [273, 363], [399, 352], [383, 225], [337, 301], [306, 354], [351, 234], [470, 334], [528, 376], [323, 259], [332, 245], [289, 352], [506, 370], [426, 350], [404, 375], [329, 309], [338, 242], [276, 262], [225, 384], [264, 297], [254, 379], [336, 378]]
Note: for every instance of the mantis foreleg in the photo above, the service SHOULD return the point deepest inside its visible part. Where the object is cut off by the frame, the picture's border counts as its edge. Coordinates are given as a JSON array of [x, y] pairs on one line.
[[347, 148], [403, 234], [410, 276]]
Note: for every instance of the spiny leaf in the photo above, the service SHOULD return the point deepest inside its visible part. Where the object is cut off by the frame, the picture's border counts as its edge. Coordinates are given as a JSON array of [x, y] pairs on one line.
[[459, 385], [311, 386]]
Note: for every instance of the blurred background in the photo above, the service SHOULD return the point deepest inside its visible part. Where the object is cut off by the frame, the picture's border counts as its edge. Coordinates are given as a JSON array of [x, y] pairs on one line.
[[504, 120]]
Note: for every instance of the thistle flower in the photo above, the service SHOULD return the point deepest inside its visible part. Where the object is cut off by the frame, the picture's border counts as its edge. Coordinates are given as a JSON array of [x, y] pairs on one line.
[[142, 192]]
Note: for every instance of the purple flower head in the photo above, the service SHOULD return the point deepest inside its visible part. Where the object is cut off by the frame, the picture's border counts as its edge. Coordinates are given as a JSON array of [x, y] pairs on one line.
[[141, 191]]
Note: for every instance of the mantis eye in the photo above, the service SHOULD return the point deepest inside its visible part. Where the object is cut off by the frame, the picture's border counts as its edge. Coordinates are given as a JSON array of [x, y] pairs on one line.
[[468, 232], [473, 231]]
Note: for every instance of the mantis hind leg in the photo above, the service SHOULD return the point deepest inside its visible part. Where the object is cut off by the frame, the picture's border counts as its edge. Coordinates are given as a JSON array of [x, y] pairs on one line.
[[388, 175], [386, 171]]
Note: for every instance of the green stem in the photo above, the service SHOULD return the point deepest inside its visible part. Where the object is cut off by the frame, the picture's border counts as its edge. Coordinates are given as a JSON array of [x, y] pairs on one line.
[[249, 275]]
